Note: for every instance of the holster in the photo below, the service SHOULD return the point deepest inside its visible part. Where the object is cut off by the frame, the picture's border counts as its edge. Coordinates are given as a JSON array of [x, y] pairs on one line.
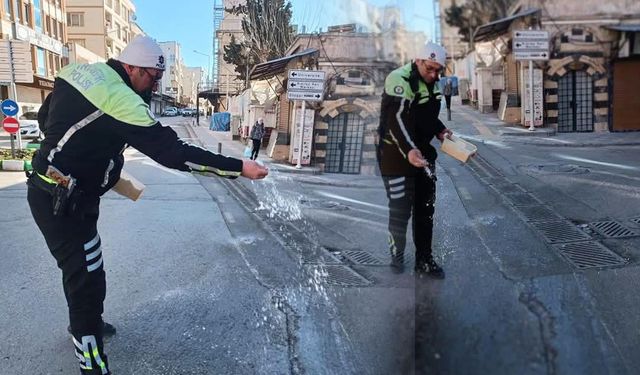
[[63, 203]]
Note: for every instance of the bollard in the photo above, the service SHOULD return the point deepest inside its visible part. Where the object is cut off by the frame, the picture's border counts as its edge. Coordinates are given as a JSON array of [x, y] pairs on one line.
[[219, 147]]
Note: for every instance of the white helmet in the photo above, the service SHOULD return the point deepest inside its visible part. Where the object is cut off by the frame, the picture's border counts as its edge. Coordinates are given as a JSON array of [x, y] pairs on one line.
[[433, 52], [144, 52]]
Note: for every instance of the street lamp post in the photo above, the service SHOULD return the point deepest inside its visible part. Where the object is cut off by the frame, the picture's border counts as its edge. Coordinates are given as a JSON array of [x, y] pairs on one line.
[[209, 73]]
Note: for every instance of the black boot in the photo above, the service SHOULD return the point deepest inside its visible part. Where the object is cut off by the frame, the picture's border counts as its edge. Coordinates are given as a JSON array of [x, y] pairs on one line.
[[108, 330], [429, 267]]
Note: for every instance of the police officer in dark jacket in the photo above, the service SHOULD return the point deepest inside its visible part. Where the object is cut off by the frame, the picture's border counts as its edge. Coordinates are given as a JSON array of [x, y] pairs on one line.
[[408, 122], [93, 114]]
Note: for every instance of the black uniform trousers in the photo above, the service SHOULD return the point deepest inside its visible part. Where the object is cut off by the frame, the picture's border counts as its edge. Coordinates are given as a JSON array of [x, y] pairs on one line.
[[411, 195], [256, 148], [75, 244]]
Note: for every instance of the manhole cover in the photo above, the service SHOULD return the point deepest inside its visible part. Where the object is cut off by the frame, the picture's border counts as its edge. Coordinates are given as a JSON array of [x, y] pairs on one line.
[[336, 275], [538, 213], [589, 254], [323, 204], [559, 231], [612, 229], [363, 258], [557, 168], [522, 199]]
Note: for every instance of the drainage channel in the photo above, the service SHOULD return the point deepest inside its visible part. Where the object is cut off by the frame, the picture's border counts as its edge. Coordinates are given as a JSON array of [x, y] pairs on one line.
[[321, 264], [577, 247]]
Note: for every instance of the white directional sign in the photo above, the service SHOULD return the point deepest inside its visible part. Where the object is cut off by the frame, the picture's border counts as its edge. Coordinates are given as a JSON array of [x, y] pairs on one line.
[[531, 55], [531, 34], [531, 45], [317, 75], [306, 85], [300, 95], [526, 44]]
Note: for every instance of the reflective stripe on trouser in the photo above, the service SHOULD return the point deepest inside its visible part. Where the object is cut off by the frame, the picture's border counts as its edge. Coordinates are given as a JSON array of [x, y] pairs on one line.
[[75, 244], [409, 195]]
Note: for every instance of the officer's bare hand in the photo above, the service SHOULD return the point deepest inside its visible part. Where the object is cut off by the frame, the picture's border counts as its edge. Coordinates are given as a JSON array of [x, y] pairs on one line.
[[254, 170], [416, 159], [445, 133]]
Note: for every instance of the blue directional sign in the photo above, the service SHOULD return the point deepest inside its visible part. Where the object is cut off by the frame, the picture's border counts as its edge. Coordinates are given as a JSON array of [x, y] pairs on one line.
[[9, 107]]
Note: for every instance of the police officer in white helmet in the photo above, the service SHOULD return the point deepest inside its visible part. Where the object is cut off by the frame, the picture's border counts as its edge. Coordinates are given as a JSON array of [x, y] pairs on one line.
[[93, 114], [408, 122]]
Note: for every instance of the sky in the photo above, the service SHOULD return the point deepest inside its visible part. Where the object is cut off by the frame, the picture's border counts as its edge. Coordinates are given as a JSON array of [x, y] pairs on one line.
[[190, 22]]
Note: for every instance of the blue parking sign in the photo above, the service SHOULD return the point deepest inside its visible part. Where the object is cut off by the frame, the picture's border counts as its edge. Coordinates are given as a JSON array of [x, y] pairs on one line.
[[9, 107]]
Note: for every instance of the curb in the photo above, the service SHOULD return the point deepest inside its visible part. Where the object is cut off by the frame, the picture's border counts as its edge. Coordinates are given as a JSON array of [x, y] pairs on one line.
[[15, 165]]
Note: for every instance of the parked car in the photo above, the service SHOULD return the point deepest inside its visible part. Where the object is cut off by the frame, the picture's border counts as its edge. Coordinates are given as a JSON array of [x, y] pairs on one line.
[[29, 125], [170, 112], [187, 112]]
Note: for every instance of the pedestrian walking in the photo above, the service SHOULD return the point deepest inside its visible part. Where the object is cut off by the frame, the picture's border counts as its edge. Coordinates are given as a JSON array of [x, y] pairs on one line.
[[93, 114], [408, 122], [257, 132], [448, 91]]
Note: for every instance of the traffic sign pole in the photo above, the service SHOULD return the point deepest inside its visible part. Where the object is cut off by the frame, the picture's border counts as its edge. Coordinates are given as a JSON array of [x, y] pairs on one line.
[[531, 102], [303, 116], [14, 91]]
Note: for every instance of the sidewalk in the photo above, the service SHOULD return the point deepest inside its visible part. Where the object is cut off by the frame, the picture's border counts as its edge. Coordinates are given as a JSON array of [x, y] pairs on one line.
[[487, 127]]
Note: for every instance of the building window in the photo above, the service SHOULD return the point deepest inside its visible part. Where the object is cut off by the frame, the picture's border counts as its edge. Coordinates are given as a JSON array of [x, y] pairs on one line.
[[51, 72], [80, 42], [109, 3], [17, 8], [47, 25], [60, 25], [75, 19], [7, 8], [27, 15], [54, 28], [634, 43], [41, 68], [57, 64], [37, 15], [116, 6]]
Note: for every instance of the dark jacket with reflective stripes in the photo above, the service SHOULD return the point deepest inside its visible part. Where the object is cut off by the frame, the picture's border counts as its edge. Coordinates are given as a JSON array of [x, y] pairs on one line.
[[408, 119], [93, 152]]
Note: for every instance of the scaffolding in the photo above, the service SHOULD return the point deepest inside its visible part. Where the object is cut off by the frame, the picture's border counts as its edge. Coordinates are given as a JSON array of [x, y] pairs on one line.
[[218, 14], [437, 35]]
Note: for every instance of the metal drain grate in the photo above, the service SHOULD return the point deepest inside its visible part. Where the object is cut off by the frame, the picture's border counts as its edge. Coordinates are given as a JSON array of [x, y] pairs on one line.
[[589, 254], [538, 213], [522, 199], [318, 256], [560, 231], [635, 220], [612, 229], [336, 275], [363, 258]]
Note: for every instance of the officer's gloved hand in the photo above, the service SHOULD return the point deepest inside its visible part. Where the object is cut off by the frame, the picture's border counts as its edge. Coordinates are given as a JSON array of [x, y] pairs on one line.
[[254, 170], [416, 159]]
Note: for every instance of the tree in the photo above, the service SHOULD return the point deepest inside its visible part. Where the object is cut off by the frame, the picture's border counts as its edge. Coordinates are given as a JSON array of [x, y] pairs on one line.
[[473, 13], [267, 33], [234, 53]]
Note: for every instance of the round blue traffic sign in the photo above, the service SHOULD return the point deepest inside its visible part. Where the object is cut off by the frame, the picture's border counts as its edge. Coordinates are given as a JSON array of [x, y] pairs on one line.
[[9, 107]]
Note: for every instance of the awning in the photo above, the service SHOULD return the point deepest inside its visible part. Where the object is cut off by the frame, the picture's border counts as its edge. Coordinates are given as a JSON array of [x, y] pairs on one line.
[[270, 68], [633, 28], [494, 29]]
